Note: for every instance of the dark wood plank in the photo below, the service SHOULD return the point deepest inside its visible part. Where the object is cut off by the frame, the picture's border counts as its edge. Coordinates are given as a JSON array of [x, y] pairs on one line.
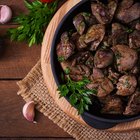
[[12, 122], [37, 138], [17, 58], [15, 62], [18, 7]]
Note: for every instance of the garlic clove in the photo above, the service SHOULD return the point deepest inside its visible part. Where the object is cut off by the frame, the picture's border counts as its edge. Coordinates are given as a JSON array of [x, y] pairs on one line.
[[29, 111], [5, 14]]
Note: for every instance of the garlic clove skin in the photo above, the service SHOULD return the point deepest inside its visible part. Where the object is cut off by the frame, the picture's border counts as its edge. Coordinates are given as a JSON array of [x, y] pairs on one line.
[[5, 14], [29, 111]]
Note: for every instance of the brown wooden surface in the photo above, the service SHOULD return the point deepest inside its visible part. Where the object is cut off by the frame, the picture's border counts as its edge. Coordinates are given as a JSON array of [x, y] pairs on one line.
[[15, 62], [37, 138], [17, 58], [49, 79]]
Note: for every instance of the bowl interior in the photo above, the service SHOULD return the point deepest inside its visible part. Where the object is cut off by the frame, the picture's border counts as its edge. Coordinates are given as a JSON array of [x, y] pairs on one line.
[[66, 25]]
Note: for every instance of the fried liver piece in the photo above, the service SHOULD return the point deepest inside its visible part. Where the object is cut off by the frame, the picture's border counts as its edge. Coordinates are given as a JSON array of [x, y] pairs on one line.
[[134, 39], [126, 58], [137, 27], [126, 85], [78, 72], [79, 41], [112, 105], [113, 75], [97, 73], [119, 34], [85, 58], [65, 48], [133, 106], [103, 58], [89, 18], [136, 69], [134, 25], [128, 11], [104, 13], [95, 34], [96, 78], [105, 88], [74, 37], [79, 23]]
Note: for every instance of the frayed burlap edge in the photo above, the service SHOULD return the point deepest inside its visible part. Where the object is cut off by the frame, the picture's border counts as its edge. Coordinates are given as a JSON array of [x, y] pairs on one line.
[[32, 87]]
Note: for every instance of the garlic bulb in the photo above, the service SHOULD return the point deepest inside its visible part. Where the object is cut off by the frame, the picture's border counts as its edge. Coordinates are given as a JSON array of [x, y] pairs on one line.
[[29, 111], [5, 14]]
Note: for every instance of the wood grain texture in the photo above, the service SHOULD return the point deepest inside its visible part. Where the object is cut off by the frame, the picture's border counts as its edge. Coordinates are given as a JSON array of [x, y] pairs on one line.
[[48, 76], [16, 61], [17, 58], [17, 7], [46, 138], [12, 122]]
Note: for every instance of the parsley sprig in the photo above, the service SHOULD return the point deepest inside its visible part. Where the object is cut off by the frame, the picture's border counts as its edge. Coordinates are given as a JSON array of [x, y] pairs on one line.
[[79, 96], [31, 26], [129, 30]]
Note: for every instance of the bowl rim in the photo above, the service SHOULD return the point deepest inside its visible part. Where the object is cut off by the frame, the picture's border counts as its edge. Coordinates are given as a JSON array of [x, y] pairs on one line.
[[56, 77]]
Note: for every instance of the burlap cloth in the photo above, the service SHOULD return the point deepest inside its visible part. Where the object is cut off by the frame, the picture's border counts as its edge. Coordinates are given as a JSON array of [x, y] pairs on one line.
[[32, 87]]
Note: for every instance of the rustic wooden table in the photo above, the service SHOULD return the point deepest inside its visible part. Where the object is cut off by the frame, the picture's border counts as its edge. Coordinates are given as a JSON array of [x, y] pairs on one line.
[[15, 62]]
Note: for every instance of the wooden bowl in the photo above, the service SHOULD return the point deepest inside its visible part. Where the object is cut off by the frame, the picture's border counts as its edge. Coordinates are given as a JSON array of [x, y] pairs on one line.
[[94, 119]]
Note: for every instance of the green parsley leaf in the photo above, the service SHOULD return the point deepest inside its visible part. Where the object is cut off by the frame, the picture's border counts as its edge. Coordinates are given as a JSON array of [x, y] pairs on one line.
[[118, 55], [67, 71], [129, 30], [31, 26], [61, 58], [79, 96]]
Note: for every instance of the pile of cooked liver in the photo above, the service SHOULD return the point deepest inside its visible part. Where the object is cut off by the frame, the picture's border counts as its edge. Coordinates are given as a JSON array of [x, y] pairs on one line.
[[105, 48]]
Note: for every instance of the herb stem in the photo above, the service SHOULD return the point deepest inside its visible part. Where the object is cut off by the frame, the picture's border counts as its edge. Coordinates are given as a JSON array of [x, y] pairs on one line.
[[31, 26], [79, 96]]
